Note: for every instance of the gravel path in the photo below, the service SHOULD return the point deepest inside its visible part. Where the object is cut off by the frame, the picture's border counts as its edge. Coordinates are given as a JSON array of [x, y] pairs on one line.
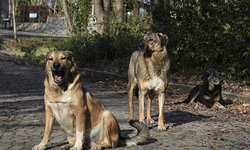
[[22, 116]]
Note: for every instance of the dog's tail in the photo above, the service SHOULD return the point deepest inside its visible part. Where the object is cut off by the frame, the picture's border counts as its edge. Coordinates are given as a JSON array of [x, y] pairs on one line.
[[140, 138], [187, 100]]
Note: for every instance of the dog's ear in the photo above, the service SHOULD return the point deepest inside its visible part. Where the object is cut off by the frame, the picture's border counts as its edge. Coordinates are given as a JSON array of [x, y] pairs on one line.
[[164, 39], [71, 58], [47, 56], [142, 45], [69, 55], [205, 76], [144, 42]]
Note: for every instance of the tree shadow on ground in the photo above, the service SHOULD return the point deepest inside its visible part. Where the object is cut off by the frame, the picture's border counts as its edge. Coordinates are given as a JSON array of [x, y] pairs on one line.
[[178, 117], [181, 117]]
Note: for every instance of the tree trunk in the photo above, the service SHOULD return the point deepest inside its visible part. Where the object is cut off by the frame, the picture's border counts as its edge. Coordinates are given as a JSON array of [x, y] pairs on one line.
[[67, 17], [14, 20], [107, 6], [102, 13], [55, 5], [99, 13], [119, 10], [107, 10]]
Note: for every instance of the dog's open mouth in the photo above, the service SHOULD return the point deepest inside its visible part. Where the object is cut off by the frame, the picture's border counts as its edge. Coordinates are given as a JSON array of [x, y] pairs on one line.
[[58, 76]]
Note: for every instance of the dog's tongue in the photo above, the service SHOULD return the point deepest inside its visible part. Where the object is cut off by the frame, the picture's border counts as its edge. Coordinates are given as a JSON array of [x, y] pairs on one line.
[[58, 75]]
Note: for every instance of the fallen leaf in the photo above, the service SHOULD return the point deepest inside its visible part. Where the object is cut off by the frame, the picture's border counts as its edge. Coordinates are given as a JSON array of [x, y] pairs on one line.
[[182, 145], [4, 130], [9, 119], [181, 136], [245, 105], [199, 145], [211, 145]]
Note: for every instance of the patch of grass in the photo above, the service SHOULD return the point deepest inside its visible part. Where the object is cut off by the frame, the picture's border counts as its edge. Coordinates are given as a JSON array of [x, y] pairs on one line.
[[42, 45], [34, 47]]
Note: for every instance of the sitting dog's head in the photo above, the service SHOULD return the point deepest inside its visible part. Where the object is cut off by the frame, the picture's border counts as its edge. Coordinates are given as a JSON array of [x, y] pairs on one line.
[[212, 76], [153, 42], [59, 65]]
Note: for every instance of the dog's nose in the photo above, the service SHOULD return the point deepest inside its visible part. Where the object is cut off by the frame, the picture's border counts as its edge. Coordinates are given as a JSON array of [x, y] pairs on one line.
[[56, 65]]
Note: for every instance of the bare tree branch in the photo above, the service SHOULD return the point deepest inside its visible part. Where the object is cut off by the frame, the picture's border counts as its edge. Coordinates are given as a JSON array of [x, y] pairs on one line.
[[67, 17]]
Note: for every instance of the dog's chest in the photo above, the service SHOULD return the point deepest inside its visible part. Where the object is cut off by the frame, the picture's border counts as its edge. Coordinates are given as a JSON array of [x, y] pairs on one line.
[[63, 114], [155, 82]]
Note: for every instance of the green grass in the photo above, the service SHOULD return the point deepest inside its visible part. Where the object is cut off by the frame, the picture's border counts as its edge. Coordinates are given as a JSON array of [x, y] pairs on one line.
[[32, 46], [42, 45]]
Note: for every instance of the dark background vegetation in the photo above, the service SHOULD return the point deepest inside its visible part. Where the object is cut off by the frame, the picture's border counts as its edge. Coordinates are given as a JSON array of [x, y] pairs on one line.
[[203, 34]]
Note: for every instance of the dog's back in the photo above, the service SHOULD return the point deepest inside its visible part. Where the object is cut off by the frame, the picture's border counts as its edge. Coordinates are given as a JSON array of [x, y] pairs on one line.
[[132, 65], [131, 73]]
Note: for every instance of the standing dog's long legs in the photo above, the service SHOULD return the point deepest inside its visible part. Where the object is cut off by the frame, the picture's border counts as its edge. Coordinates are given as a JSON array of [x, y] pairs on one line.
[[131, 87], [142, 95], [161, 99], [149, 101]]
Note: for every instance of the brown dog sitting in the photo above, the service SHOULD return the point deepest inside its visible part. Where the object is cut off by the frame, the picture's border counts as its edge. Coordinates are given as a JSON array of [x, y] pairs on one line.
[[148, 75], [83, 118], [209, 93]]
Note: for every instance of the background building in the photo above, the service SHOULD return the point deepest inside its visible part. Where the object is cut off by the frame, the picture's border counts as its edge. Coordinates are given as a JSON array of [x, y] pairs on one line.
[[5, 9]]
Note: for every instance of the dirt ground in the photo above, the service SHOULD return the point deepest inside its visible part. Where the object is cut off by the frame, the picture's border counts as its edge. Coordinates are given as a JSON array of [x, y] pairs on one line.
[[192, 127]]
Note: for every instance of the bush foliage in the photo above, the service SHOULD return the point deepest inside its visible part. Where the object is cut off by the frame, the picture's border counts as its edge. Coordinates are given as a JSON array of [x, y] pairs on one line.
[[209, 34], [113, 48], [203, 34]]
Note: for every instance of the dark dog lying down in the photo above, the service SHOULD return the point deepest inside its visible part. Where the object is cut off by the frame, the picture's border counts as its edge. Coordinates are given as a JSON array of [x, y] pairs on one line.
[[209, 93]]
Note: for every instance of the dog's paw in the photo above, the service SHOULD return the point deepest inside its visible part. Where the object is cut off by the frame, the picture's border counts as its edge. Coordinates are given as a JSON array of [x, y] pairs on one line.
[[96, 147], [66, 147], [76, 148], [161, 128], [39, 147], [218, 105], [150, 120], [221, 107]]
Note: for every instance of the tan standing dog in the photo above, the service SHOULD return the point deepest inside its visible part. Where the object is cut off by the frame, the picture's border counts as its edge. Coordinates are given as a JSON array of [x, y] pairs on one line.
[[79, 113], [148, 74]]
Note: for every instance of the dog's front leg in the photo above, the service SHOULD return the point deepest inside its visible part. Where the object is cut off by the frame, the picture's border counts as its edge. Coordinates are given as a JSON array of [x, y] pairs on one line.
[[49, 120], [218, 100], [142, 95], [80, 115], [149, 101], [161, 98], [130, 96]]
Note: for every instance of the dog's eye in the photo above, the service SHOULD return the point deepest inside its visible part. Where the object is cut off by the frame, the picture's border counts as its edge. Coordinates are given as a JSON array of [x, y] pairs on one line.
[[63, 58], [50, 59]]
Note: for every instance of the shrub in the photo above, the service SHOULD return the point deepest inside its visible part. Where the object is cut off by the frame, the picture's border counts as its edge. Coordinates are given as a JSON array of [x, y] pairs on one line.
[[112, 48], [205, 34]]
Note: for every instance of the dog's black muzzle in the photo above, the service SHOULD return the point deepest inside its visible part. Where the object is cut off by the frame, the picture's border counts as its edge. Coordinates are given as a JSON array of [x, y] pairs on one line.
[[56, 66], [58, 72]]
